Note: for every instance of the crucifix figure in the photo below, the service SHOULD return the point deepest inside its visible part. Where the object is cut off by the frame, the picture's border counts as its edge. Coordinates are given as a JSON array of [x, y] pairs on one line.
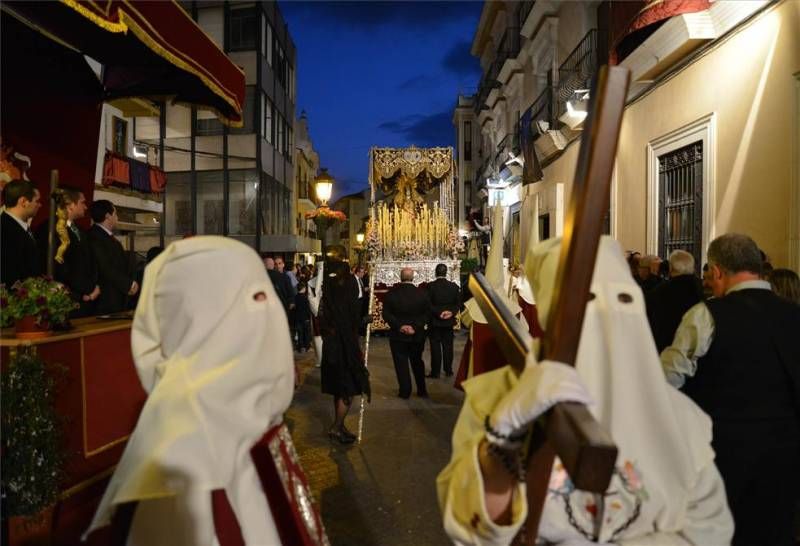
[[656, 481]]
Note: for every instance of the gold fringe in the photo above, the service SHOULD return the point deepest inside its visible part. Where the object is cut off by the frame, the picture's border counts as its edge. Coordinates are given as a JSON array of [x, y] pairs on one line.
[[128, 23], [96, 19]]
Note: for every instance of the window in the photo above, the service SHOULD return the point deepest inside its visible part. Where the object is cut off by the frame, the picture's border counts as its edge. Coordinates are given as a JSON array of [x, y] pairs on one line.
[[680, 202], [269, 124], [178, 205], [210, 203], [467, 141], [248, 113], [291, 84], [280, 133], [209, 127], [243, 192], [268, 40], [119, 135], [290, 144], [242, 29]]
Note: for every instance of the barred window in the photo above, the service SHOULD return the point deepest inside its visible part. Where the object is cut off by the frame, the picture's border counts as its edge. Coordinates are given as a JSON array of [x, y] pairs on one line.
[[680, 203]]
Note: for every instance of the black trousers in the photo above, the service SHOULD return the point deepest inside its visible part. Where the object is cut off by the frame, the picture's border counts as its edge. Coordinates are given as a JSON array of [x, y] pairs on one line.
[[761, 475], [303, 329], [403, 354], [441, 338]]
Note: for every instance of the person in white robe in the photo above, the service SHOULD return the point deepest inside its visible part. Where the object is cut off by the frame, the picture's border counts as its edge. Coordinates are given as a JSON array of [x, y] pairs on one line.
[[480, 344], [211, 346], [666, 490], [314, 299]]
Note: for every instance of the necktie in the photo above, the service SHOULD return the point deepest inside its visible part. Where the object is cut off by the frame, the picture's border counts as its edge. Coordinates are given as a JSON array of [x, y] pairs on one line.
[[76, 231], [29, 232]]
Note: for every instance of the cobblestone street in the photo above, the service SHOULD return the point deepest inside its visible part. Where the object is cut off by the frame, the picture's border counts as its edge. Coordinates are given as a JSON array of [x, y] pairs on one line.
[[382, 491]]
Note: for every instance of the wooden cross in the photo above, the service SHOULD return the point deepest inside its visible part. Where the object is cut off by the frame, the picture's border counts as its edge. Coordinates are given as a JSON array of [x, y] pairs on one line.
[[568, 429]]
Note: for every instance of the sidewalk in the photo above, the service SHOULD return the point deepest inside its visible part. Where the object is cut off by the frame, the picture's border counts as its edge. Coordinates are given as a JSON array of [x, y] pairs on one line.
[[383, 491]]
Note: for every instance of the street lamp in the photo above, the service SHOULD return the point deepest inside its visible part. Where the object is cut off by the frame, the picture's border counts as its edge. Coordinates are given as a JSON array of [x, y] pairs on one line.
[[323, 185], [360, 247]]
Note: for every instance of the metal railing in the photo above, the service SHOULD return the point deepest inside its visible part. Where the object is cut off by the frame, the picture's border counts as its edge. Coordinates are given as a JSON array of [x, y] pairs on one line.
[[543, 109], [500, 156], [578, 69]]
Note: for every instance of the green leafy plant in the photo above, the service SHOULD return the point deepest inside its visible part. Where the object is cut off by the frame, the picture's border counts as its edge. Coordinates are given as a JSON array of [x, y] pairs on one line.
[[469, 265], [32, 453], [41, 297]]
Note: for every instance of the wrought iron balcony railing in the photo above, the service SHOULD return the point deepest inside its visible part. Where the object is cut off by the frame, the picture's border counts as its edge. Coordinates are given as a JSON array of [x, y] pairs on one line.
[[578, 69], [543, 109]]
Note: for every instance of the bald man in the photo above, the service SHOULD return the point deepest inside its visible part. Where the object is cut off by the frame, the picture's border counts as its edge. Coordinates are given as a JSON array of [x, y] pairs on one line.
[[406, 310]]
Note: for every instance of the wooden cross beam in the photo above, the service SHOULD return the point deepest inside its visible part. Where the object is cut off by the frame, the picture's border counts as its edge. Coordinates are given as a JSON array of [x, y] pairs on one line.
[[569, 430]]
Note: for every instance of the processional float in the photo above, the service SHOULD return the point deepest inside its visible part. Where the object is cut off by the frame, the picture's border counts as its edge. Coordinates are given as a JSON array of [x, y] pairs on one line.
[[411, 224]]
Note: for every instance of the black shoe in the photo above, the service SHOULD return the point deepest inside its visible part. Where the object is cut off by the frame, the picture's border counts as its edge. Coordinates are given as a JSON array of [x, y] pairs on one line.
[[338, 434], [404, 396], [423, 395], [431, 376], [448, 374], [347, 433]]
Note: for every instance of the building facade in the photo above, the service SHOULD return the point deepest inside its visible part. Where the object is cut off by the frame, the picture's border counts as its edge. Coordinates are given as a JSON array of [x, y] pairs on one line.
[[709, 140], [237, 182], [306, 167], [468, 159]]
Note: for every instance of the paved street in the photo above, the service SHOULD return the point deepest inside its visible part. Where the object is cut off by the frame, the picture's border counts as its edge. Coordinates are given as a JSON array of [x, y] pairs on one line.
[[382, 491]]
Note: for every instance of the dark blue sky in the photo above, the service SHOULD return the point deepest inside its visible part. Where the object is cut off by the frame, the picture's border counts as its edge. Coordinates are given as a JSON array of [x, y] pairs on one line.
[[380, 74]]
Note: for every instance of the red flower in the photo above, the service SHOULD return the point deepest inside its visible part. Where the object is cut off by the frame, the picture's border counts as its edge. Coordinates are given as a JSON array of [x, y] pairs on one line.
[[3, 303], [41, 300], [22, 292]]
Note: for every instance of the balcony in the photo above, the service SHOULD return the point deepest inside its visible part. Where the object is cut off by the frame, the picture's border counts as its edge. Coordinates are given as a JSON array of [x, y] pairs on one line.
[[501, 156], [542, 110], [577, 71], [509, 46]]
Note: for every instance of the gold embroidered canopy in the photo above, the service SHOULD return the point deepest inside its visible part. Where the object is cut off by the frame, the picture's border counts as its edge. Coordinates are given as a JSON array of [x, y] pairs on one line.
[[404, 175]]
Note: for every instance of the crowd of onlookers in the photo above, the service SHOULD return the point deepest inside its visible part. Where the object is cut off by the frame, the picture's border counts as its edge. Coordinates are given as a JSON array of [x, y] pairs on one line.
[[728, 340], [671, 287], [293, 284]]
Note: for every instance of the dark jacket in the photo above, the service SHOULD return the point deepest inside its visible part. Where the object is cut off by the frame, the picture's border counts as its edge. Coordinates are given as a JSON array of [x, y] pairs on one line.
[[19, 254], [751, 372], [407, 304], [114, 274], [444, 296], [667, 303], [302, 310], [283, 287], [79, 271]]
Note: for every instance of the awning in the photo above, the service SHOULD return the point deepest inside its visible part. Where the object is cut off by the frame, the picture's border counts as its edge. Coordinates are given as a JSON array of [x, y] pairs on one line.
[[147, 49]]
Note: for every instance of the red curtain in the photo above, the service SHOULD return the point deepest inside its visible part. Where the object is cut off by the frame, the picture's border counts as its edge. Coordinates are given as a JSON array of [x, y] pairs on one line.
[[51, 106]]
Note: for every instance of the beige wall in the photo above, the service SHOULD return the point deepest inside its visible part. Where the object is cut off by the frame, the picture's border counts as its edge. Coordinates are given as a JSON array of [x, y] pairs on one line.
[[748, 82]]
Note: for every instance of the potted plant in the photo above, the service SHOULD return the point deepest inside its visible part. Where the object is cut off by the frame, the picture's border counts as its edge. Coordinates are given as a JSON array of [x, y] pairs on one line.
[[31, 445], [324, 217], [34, 305]]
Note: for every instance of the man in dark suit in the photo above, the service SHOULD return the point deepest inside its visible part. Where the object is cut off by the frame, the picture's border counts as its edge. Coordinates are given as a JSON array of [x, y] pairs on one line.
[[667, 303], [78, 271], [445, 299], [115, 277], [280, 283], [19, 256], [406, 310]]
